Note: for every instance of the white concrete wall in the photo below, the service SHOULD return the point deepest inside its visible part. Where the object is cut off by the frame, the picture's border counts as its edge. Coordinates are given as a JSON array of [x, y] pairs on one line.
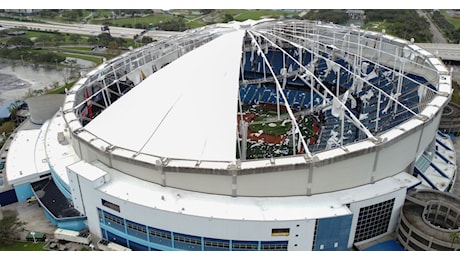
[[336, 173], [201, 226]]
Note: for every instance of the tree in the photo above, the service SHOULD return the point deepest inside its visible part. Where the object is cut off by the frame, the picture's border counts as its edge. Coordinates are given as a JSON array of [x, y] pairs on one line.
[[104, 39], [454, 237], [43, 39], [120, 41], [92, 40], [405, 23], [328, 15], [20, 42], [146, 40], [228, 18], [113, 49], [173, 25], [58, 38], [10, 226], [75, 38]]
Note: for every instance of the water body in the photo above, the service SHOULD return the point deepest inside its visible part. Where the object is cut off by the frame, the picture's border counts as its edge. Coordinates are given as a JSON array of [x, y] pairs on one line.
[[17, 79]]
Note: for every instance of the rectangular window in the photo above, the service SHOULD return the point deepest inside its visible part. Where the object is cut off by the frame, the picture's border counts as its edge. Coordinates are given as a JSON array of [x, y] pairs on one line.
[[114, 218], [187, 239], [135, 226], [217, 243], [244, 245], [159, 233], [110, 205], [274, 245], [276, 232]]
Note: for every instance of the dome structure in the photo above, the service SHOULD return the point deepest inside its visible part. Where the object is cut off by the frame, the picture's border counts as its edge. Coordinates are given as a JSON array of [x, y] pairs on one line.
[[261, 96], [255, 135]]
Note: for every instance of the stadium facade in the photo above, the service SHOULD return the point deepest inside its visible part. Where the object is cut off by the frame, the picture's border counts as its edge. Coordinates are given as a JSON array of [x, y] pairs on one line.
[[259, 135]]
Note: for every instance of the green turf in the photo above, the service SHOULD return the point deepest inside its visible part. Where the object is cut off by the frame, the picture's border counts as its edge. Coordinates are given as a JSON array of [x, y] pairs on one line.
[[259, 150], [23, 246], [270, 125]]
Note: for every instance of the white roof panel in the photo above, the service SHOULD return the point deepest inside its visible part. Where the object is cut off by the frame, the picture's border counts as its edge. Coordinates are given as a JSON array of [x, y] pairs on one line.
[[26, 156], [186, 110]]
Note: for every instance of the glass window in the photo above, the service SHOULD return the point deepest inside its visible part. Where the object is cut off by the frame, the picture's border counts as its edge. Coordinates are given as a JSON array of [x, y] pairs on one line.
[[280, 232], [373, 220]]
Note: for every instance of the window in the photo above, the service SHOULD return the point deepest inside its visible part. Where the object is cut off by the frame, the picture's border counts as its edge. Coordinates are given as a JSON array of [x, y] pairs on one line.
[[160, 237], [280, 232], [136, 227], [187, 239], [373, 220], [159, 233], [110, 205], [244, 245], [113, 218], [216, 243], [274, 245]]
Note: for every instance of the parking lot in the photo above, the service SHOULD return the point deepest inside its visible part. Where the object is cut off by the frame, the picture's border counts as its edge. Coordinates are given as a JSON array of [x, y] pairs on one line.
[[34, 218]]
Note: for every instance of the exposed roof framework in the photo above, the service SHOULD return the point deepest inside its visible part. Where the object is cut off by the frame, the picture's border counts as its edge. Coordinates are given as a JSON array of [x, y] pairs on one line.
[[187, 109]]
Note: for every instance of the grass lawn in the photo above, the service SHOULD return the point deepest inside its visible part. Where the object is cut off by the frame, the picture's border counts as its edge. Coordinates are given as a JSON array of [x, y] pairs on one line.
[[195, 24], [61, 90], [93, 58], [52, 35], [75, 48], [23, 246], [452, 20], [146, 20]]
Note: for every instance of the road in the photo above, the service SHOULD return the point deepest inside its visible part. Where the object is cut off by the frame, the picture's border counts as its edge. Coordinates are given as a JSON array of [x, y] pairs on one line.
[[438, 37], [88, 29]]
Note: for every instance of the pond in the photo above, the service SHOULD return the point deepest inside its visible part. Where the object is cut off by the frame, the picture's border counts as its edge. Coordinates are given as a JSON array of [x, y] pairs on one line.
[[17, 79]]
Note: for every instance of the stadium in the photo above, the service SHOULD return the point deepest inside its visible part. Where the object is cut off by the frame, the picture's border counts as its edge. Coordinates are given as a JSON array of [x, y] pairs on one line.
[[255, 135]]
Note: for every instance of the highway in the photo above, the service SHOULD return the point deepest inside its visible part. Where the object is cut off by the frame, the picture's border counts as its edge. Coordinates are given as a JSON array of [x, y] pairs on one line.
[[87, 29], [444, 51], [438, 37]]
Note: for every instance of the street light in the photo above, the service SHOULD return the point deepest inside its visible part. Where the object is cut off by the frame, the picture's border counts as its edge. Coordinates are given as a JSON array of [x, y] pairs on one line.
[[33, 236]]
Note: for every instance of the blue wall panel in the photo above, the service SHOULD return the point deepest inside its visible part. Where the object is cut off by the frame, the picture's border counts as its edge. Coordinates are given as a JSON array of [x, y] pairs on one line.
[[116, 239], [333, 233], [8, 197], [23, 192], [77, 224], [137, 247]]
